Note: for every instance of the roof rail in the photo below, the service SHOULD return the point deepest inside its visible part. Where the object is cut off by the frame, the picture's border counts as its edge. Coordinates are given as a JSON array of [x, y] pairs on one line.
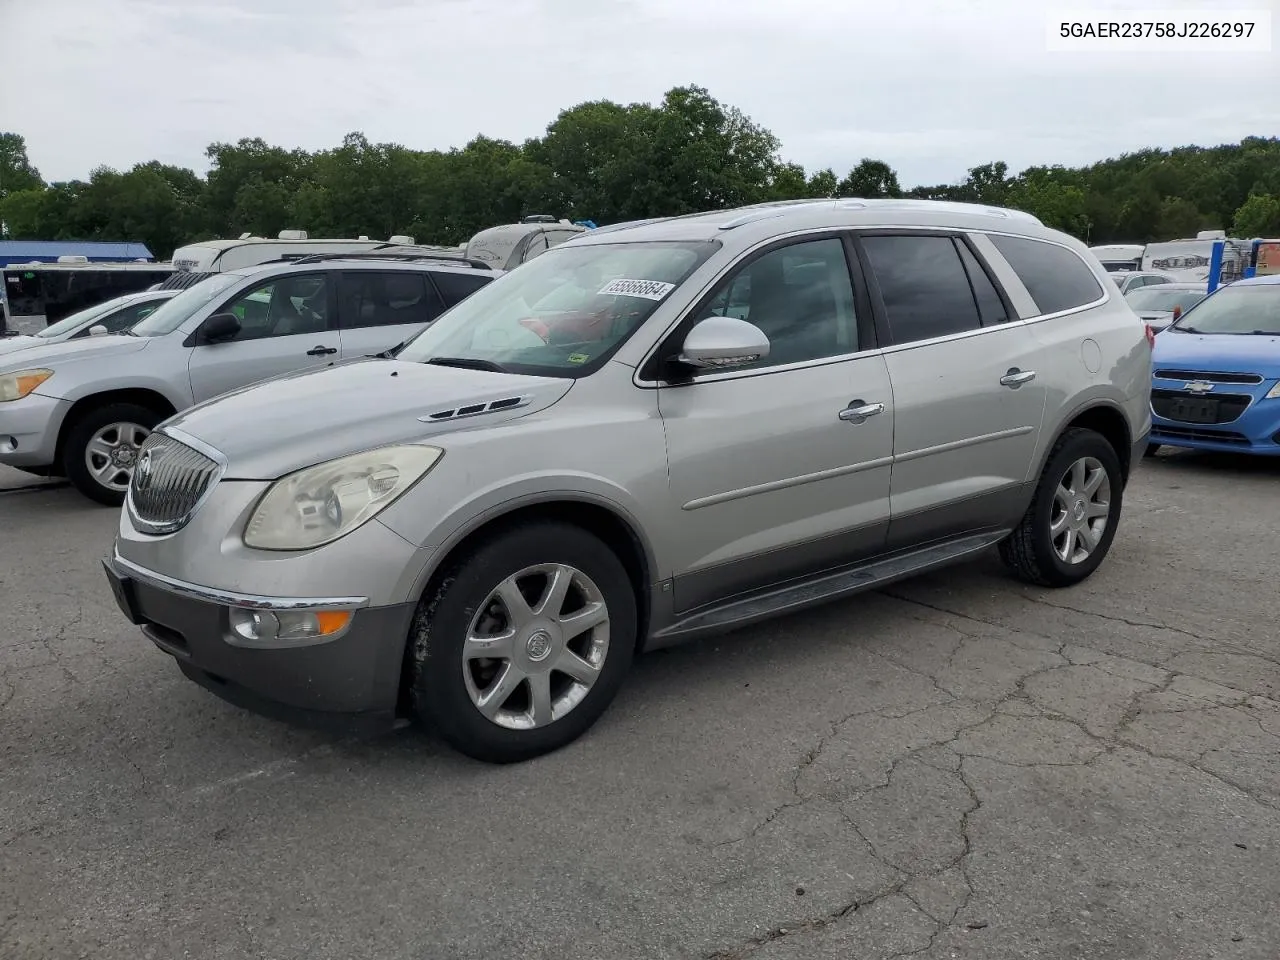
[[442, 258]]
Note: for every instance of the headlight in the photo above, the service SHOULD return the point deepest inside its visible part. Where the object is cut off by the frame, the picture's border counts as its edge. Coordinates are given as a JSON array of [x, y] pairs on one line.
[[322, 503], [1274, 392], [15, 386]]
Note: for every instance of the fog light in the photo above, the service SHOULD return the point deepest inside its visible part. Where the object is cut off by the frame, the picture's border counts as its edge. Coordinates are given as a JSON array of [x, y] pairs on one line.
[[282, 628]]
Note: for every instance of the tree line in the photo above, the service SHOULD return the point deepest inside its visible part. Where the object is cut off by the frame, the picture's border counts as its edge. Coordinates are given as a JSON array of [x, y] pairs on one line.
[[607, 162]]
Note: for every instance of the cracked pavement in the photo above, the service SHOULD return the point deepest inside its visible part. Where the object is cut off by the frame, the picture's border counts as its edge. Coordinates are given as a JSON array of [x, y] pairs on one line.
[[958, 767]]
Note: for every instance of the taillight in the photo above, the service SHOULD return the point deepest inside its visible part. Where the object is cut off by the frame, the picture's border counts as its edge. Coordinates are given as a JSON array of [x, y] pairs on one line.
[[1151, 336]]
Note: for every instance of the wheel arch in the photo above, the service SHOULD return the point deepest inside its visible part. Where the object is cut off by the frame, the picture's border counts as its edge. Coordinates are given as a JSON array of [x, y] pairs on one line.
[[1105, 417], [141, 396], [605, 519]]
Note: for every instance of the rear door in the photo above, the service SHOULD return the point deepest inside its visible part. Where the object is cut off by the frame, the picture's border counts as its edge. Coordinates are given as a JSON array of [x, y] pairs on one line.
[[287, 323], [967, 404], [378, 309]]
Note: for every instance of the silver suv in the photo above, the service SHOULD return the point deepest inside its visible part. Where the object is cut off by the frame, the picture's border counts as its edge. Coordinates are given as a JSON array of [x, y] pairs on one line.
[[642, 436], [83, 409]]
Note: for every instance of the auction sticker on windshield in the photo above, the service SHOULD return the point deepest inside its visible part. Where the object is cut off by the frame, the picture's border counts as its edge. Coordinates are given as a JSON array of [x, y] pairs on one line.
[[645, 289]]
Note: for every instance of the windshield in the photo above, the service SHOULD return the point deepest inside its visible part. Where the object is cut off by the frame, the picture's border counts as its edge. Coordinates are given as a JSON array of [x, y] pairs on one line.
[[68, 324], [563, 314], [1163, 300], [171, 314], [1236, 310]]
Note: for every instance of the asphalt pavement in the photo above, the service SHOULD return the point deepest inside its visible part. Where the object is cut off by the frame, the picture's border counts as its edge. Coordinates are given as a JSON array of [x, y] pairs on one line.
[[959, 767]]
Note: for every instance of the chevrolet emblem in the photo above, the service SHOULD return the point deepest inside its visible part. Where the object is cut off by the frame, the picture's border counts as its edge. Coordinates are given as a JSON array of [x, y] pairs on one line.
[[1198, 387]]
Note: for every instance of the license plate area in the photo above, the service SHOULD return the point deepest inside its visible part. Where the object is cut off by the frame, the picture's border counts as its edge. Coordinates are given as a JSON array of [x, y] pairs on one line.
[[1197, 410]]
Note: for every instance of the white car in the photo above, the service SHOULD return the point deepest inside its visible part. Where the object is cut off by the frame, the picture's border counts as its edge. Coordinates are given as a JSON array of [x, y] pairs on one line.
[[113, 316], [1130, 280]]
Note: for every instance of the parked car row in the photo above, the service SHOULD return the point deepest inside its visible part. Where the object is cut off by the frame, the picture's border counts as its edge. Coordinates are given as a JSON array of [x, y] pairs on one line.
[[83, 408], [644, 435], [363, 486]]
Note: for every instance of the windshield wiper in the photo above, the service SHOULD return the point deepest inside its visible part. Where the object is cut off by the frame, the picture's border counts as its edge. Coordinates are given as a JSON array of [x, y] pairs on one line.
[[468, 363], [1182, 328], [389, 353]]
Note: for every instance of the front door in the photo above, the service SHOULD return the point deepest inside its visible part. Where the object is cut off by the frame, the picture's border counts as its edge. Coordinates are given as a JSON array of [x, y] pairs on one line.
[[286, 324], [771, 476], [968, 404]]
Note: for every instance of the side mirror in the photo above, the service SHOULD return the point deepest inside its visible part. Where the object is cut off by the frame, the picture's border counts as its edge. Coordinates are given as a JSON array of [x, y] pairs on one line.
[[720, 342], [220, 327], [98, 330], [1177, 312]]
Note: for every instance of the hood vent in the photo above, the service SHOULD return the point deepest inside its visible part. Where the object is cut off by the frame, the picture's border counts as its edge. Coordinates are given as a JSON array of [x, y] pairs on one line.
[[475, 409]]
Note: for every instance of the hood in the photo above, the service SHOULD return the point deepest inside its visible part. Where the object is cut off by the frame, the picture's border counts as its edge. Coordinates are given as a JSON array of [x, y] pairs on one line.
[[54, 355], [14, 344], [1218, 353], [276, 427]]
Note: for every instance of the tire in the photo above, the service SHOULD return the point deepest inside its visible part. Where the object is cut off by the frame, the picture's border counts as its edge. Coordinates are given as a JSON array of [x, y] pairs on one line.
[[448, 681], [1152, 450], [83, 431], [1031, 551]]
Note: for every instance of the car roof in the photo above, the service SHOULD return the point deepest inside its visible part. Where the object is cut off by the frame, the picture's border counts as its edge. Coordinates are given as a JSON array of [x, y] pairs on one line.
[[761, 221], [1258, 281], [362, 262]]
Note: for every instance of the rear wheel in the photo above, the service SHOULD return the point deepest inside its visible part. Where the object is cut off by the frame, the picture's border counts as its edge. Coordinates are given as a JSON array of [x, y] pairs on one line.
[[1068, 529], [522, 645], [102, 449]]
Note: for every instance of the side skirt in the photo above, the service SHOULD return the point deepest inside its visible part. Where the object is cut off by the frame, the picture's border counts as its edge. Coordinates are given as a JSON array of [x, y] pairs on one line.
[[823, 588]]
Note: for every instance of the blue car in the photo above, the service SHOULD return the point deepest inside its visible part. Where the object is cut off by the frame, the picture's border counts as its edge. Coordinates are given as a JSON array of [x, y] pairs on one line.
[[1216, 373]]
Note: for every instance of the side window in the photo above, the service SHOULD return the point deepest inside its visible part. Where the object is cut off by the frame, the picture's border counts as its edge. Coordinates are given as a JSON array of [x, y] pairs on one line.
[[990, 306], [455, 287], [1055, 277], [1154, 281], [368, 299], [800, 296], [283, 307], [923, 285]]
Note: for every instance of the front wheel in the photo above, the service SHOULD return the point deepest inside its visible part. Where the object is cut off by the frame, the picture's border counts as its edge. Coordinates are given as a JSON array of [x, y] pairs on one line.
[[522, 645], [102, 449], [1069, 527], [1152, 450]]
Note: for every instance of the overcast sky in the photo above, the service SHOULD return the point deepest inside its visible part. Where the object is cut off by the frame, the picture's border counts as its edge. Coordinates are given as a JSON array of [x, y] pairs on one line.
[[933, 87]]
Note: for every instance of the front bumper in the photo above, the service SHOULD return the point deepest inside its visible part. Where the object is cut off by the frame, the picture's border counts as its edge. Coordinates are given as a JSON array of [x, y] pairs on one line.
[[349, 684], [29, 430], [1256, 431]]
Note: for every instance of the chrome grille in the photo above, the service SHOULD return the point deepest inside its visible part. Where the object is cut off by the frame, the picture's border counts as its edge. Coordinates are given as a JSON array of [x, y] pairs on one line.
[[169, 484]]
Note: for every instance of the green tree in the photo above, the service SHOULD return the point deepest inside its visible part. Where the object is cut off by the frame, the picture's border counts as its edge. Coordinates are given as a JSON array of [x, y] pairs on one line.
[[16, 172], [1259, 216], [822, 183], [870, 178]]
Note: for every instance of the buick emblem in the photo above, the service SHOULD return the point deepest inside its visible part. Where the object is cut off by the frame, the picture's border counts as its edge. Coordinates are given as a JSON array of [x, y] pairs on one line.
[[1198, 387], [142, 473]]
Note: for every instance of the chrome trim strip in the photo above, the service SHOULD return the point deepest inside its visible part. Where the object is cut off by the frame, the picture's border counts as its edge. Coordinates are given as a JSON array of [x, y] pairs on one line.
[[959, 444], [773, 485], [231, 598]]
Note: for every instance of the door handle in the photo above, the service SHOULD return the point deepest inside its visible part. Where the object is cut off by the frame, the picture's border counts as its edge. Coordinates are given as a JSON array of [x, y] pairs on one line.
[[858, 411], [321, 351], [1016, 378]]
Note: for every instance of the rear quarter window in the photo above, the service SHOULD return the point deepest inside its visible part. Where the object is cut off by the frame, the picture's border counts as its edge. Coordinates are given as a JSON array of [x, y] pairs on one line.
[[1055, 277], [455, 287]]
